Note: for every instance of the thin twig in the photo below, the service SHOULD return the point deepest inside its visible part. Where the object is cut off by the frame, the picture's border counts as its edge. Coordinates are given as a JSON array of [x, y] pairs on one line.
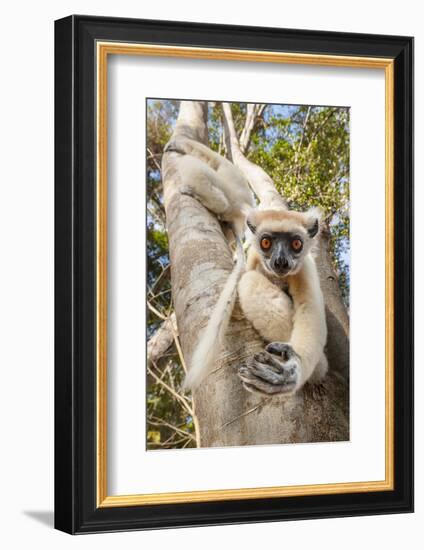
[[299, 147], [253, 409], [184, 365], [319, 128], [159, 422], [178, 397], [155, 162], [156, 312], [168, 443], [155, 296], [160, 277]]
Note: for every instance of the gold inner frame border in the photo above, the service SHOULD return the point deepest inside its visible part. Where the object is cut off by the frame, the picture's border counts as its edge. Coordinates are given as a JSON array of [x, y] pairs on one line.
[[103, 50]]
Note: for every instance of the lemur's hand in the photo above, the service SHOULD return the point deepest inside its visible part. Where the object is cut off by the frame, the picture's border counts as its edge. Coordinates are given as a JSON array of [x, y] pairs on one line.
[[273, 371]]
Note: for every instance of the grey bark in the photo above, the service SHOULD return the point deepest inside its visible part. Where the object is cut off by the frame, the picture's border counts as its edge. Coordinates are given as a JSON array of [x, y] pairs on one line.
[[260, 182], [253, 113], [201, 261]]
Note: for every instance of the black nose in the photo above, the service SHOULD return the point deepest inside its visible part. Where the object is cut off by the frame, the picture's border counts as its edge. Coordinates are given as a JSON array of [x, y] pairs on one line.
[[281, 262]]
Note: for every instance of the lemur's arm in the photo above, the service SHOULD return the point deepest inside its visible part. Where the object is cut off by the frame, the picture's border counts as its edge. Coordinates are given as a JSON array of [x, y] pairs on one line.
[[268, 308], [309, 326], [289, 360]]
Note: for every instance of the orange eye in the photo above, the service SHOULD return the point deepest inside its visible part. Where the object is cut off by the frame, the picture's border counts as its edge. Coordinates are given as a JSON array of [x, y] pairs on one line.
[[265, 243], [297, 245]]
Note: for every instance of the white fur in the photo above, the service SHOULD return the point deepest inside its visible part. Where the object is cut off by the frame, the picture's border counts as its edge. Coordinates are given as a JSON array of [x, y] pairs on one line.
[[212, 338]]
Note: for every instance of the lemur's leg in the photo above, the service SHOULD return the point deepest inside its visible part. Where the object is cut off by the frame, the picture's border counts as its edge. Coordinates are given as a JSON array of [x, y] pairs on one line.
[[201, 182], [268, 308], [285, 366], [185, 146]]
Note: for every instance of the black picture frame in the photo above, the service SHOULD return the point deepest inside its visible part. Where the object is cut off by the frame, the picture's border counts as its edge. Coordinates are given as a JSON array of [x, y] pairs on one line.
[[76, 510]]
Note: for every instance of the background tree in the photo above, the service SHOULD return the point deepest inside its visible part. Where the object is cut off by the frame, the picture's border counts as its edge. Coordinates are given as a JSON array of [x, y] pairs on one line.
[[169, 413], [305, 151]]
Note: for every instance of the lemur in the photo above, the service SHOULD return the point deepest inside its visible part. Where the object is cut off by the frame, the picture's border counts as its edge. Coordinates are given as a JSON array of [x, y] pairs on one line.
[[281, 296], [279, 292]]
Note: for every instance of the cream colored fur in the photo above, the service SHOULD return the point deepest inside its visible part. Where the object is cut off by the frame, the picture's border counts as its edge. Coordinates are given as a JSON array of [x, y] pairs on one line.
[[213, 180], [299, 321]]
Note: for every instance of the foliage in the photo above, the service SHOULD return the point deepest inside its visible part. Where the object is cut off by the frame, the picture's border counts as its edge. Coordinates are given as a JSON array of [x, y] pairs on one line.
[[305, 150], [169, 423]]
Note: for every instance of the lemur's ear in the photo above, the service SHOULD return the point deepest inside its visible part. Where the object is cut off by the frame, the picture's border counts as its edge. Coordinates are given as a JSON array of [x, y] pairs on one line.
[[251, 222], [313, 228], [312, 225]]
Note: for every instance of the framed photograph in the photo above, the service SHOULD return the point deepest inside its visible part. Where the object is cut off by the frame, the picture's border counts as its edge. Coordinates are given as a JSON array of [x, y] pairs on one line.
[[234, 274]]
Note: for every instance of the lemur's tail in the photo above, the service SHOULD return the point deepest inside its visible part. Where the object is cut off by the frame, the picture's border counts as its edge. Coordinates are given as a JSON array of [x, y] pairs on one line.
[[212, 338]]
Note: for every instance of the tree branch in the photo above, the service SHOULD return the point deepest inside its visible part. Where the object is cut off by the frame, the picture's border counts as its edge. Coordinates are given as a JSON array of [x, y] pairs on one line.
[[161, 340], [154, 160], [254, 112], [320, 127], [261, 183]]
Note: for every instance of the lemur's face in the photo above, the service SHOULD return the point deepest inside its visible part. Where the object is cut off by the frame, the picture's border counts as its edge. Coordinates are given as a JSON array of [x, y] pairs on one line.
[[281, 251], [282, 238]]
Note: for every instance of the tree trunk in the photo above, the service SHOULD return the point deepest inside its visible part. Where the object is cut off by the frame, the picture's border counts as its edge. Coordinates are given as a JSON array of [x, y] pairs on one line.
[[201, 261]]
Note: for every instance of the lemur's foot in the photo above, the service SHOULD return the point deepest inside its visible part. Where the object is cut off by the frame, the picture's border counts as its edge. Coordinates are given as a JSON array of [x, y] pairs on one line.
[[187, 190], [175, 145], [273, 371]]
